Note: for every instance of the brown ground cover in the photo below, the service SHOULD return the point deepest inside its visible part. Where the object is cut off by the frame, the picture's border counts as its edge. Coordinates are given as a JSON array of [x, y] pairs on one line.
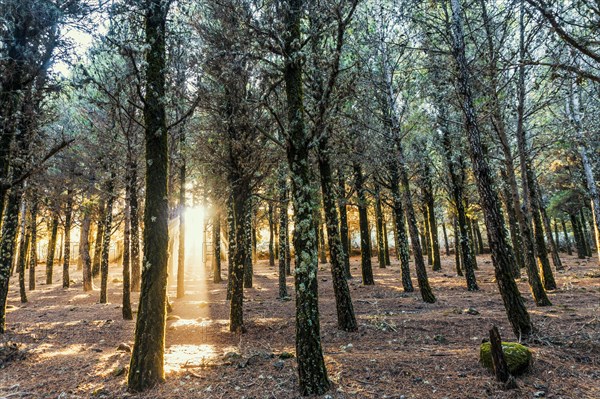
[[404, 348]]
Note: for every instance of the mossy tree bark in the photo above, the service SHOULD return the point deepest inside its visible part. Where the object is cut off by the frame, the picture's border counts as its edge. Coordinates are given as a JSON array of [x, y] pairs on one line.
[[147, 359], [311, 365], [502, 255]]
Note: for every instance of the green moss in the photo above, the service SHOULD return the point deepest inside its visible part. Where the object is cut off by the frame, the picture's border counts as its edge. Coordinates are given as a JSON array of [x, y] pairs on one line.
[[518, 357]]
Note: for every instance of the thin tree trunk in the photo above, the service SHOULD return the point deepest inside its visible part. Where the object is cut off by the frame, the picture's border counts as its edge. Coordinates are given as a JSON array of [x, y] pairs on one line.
[[84, 247], [446, 245], [400, 228], [100, 217], [552, 244], [51, 247], [232, 245], [110, 187], [271, 234], [386, 246], [379, 227], [126, 310], [33, 250], [136, 276], [365, 236], [23, 244], [217, 247], [182, 208], [457, 249], [578, 235], [344, 237], [283, 239], [67, 251], [246, 221], [567, 239]]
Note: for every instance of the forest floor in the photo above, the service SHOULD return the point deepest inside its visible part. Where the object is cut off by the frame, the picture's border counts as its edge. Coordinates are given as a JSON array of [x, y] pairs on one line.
[[404, 348]]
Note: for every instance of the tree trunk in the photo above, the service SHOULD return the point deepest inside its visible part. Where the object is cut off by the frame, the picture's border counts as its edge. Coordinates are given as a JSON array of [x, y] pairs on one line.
[[379, 227], [67, 243], [217, 247], [400, 227], [33, 249], [232, 245], [343, 301], [446, 245], [344, 237], [110, 188], [457, 250], [23, 244], [271, 234], [365, 236], [242, 256], [552, 244], [101, 216], [311, 365], [136, 276], [51, 247], [567, 239], [585, 234], [147, 358], [84, 246], [126, 310], [246, 222], [502, 254], [283, 239], [386, 246]]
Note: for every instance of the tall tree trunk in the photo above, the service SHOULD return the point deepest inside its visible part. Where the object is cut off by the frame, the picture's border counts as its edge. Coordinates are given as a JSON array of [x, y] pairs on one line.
[[246, 222], [232, 245], [578, 235], [33, 249], [84, 246], [379, 228], [216, 265], [502, 254], [386, 246], [343, 301], [311, 365], [22, 255], [271, 234], [424, 232], [446, 245], [242, 255], [567, 239], [365, 234], [51, 247], [136, 275], [126, 309], [100, 218], [67, 251], [344, 236], [552, 243], [400, 227], [457, 250], [584, 233], [110, 188], [182, 208], [283, 238], [147, 358]]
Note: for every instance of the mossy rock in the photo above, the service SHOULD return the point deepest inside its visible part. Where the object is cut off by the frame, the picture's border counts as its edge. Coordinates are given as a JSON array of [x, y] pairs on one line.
[[518, 357]]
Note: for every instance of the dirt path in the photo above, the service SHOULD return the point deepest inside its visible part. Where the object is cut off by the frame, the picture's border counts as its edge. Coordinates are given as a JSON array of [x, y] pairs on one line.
[[404, 348]]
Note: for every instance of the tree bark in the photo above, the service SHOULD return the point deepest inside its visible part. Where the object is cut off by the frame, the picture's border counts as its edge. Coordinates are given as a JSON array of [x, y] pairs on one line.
[[567, 239], [344, 236], [283, 239], [101, 216], [33, 249], [216, 265], [84, 246]]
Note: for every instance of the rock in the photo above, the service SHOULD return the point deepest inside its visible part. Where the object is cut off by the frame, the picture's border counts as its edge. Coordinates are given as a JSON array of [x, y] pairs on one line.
[[119, 371], [231, 356], [173, 317], [518, 357], [286, 355], [98, 350], [347, 348], [441, 339], [471, 311], [123, 347], [539, 394], [278, 364]]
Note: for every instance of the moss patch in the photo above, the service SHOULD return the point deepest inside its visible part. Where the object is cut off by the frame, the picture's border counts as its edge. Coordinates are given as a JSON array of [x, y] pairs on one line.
[[518, 357]]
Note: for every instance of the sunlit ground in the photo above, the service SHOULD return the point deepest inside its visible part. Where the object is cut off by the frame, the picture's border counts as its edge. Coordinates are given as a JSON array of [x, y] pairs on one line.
[[195, 303]]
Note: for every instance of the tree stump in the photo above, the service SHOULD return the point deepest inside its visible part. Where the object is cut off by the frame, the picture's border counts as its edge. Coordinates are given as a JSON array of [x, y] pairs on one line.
[[498, 360]]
